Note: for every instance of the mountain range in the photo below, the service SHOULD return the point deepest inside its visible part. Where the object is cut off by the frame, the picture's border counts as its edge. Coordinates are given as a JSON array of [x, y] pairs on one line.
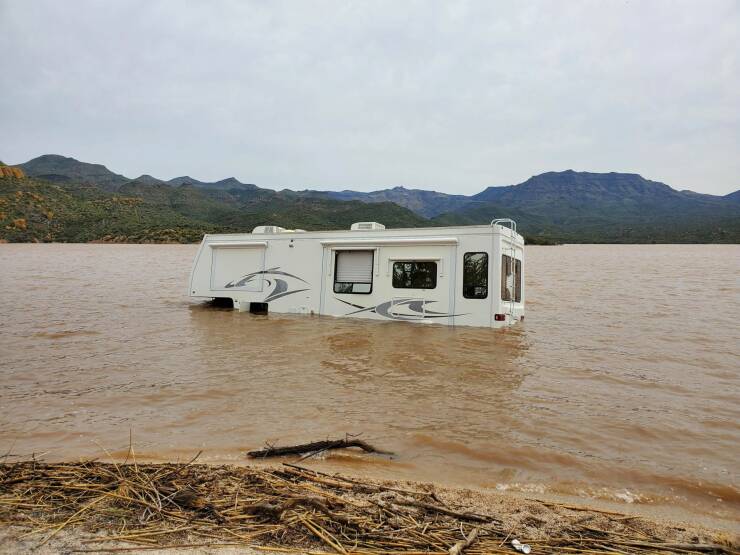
[[94, 203]]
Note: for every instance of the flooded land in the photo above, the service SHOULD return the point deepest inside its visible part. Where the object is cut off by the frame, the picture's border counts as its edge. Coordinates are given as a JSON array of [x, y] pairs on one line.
[[622, 385]]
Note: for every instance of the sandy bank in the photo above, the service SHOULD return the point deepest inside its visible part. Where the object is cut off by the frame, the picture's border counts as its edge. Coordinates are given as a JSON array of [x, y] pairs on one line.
[[78, 507]]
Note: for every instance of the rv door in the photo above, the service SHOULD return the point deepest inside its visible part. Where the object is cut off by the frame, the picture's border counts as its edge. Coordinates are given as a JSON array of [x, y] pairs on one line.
[[238, 266]]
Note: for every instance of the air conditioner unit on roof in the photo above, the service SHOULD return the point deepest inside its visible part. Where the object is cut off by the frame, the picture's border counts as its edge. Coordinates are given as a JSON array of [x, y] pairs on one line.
[[268, 229], [366, 226]]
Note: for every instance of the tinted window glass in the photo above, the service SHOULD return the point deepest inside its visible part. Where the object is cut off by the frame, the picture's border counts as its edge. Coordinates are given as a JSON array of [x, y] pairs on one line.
[[511, 279], [475, 275], [414, 275]]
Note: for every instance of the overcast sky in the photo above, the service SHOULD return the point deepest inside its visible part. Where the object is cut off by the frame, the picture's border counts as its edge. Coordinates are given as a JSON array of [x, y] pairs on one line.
[[367, 95]]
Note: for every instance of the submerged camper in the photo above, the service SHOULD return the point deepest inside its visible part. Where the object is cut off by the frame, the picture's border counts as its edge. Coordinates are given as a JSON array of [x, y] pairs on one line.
[[461, 276]]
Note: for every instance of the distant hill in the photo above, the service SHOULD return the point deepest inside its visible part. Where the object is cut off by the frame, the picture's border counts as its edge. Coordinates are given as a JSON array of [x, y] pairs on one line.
[[224, 184], [607, 207], [424, 203], [146, 179], [36, 210], [582, 207], [733, 197], [53, 167], [564, 206]]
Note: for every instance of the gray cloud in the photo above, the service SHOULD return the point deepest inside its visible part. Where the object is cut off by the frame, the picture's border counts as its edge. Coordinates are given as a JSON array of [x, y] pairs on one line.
[[449, 96]]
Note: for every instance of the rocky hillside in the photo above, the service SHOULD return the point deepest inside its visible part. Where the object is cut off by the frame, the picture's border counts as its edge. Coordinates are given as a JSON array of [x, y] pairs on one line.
[[425, 203], [563, 206], [36, 210], [11, 171], [582, 207], [607, 207], [52, 167], [62, 169]]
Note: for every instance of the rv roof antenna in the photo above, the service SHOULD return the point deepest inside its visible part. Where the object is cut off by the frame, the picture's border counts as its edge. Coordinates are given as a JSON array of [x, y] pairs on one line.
[[499, 221]]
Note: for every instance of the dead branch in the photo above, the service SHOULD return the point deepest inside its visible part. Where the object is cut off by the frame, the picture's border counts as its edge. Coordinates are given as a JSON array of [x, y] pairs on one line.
[[460, 546], [315, 447]]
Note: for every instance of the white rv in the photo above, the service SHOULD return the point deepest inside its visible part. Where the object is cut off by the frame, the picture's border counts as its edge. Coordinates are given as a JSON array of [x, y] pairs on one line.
[[463, 276]]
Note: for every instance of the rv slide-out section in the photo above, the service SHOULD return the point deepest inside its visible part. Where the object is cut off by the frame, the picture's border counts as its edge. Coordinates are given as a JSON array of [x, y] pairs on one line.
[[466, 276]]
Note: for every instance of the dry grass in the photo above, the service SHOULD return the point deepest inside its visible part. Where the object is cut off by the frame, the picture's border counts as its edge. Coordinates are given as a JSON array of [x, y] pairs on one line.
[[297, 509]]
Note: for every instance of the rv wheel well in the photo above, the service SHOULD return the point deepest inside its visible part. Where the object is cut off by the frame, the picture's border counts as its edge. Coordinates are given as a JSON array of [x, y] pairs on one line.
[[222, 302]]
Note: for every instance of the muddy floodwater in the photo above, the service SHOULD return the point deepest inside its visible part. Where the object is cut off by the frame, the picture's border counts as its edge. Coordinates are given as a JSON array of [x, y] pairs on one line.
[[621, 386]]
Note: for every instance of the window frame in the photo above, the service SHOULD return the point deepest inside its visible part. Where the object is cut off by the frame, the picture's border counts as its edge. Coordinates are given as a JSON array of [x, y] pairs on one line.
[[412, 261], [516, 266], [372, 272], [477, 298]]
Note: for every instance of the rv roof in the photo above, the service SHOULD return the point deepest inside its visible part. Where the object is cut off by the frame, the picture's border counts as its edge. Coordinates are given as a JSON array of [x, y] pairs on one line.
[[431, 230]]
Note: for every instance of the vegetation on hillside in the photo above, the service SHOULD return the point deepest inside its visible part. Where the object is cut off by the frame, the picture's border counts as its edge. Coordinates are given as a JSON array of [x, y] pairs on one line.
[[34, 210], [52, 167], [68, 200], [606, 208]]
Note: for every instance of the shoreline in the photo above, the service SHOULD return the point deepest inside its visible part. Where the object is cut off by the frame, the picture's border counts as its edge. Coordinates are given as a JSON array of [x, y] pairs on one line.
[[83, 506], [4, 241]]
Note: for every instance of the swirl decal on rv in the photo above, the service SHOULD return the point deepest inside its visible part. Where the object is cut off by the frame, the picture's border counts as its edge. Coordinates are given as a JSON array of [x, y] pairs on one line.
[[280, 286], [401, 309]]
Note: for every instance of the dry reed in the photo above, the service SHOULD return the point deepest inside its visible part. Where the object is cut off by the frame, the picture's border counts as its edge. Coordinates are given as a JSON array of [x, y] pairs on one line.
[[287, 507]]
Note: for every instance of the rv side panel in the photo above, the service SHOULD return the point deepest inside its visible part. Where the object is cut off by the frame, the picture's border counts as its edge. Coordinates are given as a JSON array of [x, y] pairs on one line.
[[469, 276]]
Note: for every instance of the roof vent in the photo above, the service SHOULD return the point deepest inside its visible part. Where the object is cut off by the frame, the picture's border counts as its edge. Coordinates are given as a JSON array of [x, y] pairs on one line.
[[366, 226], [268, 229]]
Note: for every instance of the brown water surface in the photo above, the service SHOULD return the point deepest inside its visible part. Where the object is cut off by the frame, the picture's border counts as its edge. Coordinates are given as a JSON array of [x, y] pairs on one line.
[[622, 384]]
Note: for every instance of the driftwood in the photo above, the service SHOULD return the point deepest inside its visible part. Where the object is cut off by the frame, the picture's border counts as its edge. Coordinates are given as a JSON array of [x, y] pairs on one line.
[[460, 546], [314, 448]]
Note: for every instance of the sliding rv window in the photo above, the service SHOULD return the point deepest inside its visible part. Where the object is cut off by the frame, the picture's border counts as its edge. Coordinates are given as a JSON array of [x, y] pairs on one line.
[[511, 279], [353, 272], [475, 275], [414, 275]]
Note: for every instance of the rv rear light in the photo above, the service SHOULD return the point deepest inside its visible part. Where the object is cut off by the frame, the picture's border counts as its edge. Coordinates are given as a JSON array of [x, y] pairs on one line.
[[499, 317]]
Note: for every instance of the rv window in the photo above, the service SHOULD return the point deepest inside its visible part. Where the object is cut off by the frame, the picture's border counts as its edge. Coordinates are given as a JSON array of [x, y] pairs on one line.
[[511, 279], [475, 275], [353, 272], [414, 275]]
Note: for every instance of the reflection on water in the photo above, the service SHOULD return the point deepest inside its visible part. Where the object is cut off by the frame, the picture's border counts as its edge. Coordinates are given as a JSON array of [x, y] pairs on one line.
[[621, 384]]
